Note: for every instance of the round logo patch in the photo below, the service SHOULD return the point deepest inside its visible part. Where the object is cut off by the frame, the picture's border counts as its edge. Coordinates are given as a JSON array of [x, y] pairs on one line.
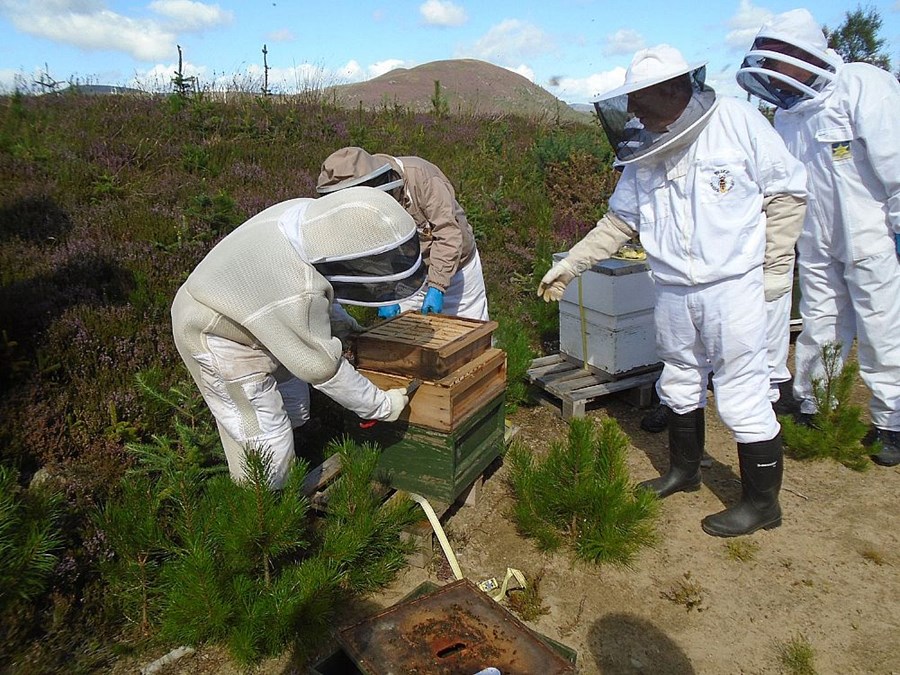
[[721, 181]]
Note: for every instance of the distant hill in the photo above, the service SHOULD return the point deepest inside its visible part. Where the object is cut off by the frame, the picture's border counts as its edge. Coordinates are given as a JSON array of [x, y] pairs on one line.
[[469, 86]]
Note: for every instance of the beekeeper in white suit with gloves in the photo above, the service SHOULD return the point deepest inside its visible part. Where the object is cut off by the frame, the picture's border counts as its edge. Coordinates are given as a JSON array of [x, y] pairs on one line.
[[716, 199], [253, 321], [840, 120]]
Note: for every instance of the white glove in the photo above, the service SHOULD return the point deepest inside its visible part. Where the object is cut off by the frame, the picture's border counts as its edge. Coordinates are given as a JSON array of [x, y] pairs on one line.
[[554, 283], [776, 285], [399, 400]]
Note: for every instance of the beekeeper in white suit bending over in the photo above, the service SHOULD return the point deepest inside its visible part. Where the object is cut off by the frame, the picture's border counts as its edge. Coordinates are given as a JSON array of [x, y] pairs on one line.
[[253, 321], [718, 202], [841, 121]]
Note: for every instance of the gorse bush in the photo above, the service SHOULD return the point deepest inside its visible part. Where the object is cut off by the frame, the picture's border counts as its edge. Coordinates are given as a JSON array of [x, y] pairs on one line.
[[837, 429], [580, 494]]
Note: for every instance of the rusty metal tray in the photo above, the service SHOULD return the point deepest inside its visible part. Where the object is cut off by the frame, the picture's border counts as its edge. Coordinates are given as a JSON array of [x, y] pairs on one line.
[[455, 630]]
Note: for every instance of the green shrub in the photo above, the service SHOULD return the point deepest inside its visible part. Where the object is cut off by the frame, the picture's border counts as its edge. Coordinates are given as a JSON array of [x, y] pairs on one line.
[[837, 429], [580, 495], [29, 539], [198, 558]]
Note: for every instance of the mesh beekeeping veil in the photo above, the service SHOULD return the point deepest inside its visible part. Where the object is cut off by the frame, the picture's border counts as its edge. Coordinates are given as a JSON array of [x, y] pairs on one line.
[[364, 243], [352, 166], [663, 104], [789, 61]]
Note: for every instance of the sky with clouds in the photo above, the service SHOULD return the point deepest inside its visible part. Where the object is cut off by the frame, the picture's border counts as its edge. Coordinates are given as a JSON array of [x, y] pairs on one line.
[[573, 48]]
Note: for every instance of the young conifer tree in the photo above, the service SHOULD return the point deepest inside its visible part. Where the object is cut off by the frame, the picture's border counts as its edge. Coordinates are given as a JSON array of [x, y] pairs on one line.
[[581, 495], [837, 428]]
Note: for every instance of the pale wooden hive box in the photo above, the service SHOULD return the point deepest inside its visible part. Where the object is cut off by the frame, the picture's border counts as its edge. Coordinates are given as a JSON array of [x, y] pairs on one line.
[[427, 346], [443, 404]]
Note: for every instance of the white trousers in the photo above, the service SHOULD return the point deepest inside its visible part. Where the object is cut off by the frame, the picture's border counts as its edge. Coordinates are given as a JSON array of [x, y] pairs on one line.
[[718, 327], [465, 296], [778, 340], [255, 400], [840, 301]]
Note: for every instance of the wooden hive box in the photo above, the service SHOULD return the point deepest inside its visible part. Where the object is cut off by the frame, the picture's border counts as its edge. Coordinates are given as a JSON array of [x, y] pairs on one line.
[[428, 346], [444, 404], [437, 465]]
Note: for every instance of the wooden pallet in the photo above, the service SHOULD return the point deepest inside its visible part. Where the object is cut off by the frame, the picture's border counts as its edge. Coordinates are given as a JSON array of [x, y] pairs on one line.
[[572, 387]]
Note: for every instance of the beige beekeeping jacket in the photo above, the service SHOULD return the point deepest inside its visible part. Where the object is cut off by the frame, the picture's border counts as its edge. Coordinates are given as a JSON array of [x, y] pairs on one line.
[[253, 289], [446, 236]]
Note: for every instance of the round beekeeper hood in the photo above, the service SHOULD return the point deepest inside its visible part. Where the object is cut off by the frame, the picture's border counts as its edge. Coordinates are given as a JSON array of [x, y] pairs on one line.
[[687, 99], [352, 166], [362, 241], [793, 38]]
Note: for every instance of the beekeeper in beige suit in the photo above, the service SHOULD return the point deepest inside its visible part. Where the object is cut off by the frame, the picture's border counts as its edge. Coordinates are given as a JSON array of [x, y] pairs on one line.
[[254, 322], [455, 283]]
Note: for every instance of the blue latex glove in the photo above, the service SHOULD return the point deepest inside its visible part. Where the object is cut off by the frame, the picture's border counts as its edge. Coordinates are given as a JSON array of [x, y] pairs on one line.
[[897, 241], [434, 301], [389, 312]]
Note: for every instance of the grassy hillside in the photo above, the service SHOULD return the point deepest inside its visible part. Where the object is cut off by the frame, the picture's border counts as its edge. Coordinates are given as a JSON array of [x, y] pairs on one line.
[[109, 202]]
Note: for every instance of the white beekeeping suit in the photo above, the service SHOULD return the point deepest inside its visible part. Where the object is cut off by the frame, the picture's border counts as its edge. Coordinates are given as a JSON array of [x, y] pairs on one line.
[[718, 202], [253, 321], [840, 120]]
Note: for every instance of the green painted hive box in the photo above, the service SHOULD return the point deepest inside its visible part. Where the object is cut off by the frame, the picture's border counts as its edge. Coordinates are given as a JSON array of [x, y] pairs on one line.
[[437, 465]]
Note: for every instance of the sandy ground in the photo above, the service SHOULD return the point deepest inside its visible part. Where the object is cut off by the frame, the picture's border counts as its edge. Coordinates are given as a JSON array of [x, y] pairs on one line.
[[830, 575]]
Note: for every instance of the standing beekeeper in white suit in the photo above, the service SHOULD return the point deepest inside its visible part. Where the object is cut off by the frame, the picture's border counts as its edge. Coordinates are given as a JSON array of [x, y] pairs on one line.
[[718, 202], [841, 121], [253, 321]]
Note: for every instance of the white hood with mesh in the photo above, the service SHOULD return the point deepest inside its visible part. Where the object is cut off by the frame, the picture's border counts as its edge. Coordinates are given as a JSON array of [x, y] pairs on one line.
[[803, 36], [362, 241]]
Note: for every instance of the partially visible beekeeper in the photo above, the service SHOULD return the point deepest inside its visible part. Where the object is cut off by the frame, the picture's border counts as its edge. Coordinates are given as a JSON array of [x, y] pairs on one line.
[[253, 321], [841, 121], [455, 283], [718, 202]]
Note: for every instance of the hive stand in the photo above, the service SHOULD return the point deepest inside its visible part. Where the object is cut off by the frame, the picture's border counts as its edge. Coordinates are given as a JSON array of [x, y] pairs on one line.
[[565, 385]]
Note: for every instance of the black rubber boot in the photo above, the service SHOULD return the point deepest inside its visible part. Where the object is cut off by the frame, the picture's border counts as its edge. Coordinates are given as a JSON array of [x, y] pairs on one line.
[[656, 420], [686, 436], [890, 448], [762, 466]]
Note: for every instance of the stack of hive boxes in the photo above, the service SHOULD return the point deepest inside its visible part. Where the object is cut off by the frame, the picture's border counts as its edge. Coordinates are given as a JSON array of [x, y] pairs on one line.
[[615, 333], [454, 426]]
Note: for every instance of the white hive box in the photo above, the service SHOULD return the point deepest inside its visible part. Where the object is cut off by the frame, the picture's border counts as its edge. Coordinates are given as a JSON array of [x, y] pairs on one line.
[[618, 297]]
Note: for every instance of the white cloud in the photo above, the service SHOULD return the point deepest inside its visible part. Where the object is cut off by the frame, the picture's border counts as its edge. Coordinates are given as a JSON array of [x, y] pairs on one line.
[[89, 25], [510, 41], [625, 41], [386, 66], [745, 24], [581, 90], [159, 77], [525, 71], [9, 79], [191, 16], [353, 72], [282, 35], [442, 13]]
